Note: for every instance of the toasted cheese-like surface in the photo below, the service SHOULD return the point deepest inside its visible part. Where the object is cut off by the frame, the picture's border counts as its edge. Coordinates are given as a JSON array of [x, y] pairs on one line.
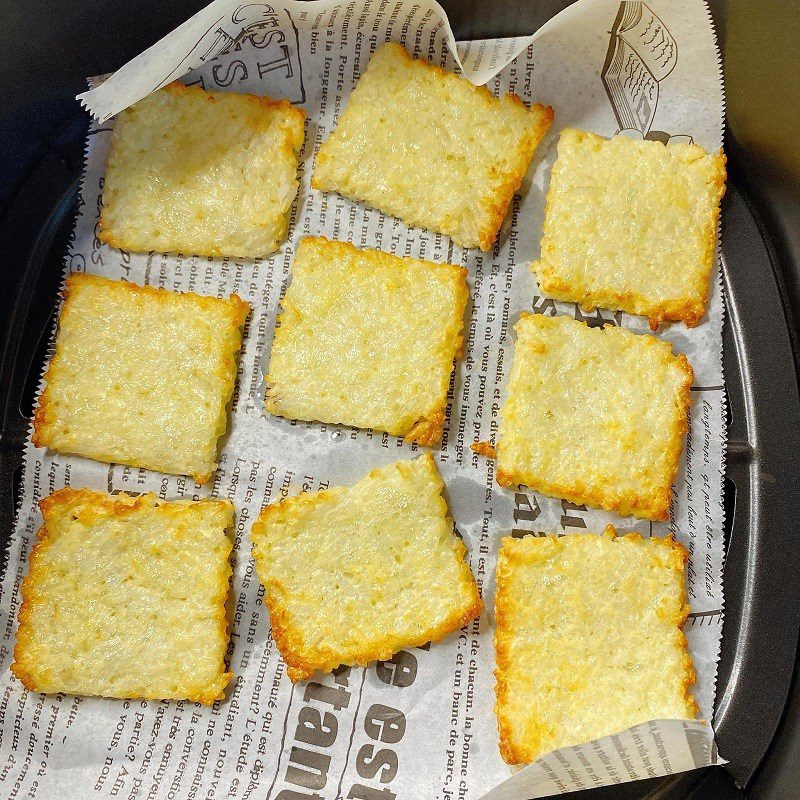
[[355, 574], [367, 339], [631, 225], [204, 173], [426, 145], [588, 639], [141, 376], [125, 597], [595, 416]]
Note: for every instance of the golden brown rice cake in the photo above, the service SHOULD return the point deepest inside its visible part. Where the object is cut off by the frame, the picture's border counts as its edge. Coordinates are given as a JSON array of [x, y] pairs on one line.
[[429, 147], [367, 339], [631, 225], [594, 416], [204, 173], [588, 639], [141, 376], [355, 574], [125, 597]]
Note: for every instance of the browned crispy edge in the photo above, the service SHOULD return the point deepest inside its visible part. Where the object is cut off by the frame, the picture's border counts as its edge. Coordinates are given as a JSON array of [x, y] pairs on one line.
[[497, 206], [429, 428], [484, 449]]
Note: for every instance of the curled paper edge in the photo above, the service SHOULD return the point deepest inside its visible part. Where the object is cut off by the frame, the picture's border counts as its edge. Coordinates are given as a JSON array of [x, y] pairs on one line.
[[202, 37], [661, 747]]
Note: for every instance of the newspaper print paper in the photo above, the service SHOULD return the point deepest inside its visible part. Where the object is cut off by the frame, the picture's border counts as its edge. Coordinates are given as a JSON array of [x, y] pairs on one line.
[[421, 724]]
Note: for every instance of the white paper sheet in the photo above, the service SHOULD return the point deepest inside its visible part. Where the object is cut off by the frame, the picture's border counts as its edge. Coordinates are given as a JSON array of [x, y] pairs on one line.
[[422, 724]]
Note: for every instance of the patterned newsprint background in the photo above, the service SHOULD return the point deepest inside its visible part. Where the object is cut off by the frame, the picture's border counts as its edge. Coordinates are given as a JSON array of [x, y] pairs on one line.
[[422, 724]]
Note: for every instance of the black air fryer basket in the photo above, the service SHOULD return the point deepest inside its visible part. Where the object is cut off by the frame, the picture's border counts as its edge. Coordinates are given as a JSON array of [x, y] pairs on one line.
[[50, 47]]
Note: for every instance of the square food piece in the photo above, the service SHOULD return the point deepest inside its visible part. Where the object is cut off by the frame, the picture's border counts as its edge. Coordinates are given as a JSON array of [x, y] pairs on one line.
[[429, 147], [141, 376], [355, 574], [204, 173], [631, 225], [367, 339], [588, 639], [125, 597], [594, 415]]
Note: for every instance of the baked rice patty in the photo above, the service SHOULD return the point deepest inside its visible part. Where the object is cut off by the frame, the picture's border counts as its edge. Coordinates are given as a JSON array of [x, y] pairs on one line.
[[203, 173], [355, 574], [367, 339], [631, 225], [588, 639], [596, 416], [125, 597], [141, 376], [427, 146]]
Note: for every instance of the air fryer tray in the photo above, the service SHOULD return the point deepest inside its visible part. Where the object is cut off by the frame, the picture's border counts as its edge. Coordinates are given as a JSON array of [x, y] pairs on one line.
[[762, 478]]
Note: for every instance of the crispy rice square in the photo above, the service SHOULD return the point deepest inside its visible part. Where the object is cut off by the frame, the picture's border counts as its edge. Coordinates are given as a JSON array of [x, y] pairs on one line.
[[588, 639], [125, 597], [141, 376], [631, 225], [595, 416], [427, 146], [355, 574], [367, 339], [204, 173]]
